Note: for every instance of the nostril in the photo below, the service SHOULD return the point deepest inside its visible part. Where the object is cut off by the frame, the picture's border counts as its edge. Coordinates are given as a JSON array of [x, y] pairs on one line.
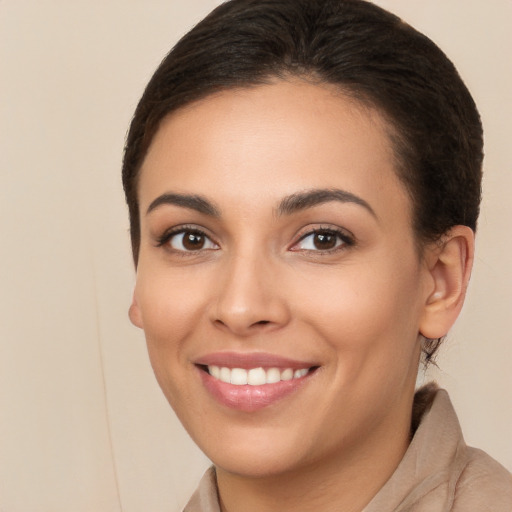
[[262, 322]]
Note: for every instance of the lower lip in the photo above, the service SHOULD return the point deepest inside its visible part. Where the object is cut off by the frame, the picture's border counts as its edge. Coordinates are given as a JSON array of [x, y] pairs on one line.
[[250, 398]]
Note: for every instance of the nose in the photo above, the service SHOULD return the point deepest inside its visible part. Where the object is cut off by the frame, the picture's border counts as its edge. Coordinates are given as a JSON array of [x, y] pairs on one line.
[[249, 296]]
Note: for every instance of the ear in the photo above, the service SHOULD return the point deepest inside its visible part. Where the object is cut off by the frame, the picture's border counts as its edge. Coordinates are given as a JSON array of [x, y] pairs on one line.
[[134, 312], [449, 264]]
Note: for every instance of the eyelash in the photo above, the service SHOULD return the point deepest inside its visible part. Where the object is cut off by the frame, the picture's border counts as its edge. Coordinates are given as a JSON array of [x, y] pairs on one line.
[[168, 235], [344, 240]]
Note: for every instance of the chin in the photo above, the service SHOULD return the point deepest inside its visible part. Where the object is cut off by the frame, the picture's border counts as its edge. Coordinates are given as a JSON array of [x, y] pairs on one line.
[[256, 463]]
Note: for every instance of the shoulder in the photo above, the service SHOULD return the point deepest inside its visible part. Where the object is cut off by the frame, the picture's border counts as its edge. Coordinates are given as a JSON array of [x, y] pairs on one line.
[[483, 484], [439, 472]]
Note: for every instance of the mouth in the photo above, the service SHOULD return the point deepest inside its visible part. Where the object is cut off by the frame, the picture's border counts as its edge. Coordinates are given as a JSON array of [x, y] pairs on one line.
[[255, 376], [249, 382]]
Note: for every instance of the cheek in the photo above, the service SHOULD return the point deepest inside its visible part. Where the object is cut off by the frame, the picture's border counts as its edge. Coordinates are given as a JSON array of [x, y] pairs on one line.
[[369, 311], [171, 305], [170, 302]]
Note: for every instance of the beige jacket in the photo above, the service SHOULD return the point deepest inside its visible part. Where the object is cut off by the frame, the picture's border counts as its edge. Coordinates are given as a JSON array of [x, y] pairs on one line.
[[438, 473]]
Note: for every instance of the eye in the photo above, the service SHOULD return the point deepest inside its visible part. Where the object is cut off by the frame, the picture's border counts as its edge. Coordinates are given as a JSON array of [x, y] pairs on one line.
[[323, 240], [187, 240]]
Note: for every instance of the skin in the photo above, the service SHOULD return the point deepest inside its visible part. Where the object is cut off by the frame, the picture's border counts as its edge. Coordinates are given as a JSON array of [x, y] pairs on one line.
[[259, 284]]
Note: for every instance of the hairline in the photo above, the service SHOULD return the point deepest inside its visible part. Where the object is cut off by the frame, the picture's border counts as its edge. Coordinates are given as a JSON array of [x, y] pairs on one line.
[[361, 100]]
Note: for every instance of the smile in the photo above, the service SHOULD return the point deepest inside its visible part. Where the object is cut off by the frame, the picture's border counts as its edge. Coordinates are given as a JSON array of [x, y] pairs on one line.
[[255, 376], [249, 382]]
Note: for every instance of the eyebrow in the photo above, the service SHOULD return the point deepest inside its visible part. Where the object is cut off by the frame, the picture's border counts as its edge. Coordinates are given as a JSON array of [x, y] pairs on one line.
[[190, 201], [309, 198], [287, 206]]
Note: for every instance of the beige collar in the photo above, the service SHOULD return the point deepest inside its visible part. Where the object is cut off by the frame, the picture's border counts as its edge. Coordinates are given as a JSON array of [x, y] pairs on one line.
[[435, 456]]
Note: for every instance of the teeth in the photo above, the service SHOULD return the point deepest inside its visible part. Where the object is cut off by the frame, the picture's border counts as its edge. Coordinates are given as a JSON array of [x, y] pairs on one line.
[[238, 376], [255, 376], [225, 375], [287, 374], [272, 375], [215, 371]]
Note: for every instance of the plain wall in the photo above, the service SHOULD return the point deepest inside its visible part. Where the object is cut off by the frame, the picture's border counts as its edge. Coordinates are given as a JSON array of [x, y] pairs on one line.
[[83, 425]]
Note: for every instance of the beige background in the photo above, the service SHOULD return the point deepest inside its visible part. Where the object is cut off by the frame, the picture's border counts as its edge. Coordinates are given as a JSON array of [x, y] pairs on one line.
[[83, 426]]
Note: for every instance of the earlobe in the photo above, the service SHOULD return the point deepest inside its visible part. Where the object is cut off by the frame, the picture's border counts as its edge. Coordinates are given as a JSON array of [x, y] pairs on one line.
[[450, 265], [134, 313]]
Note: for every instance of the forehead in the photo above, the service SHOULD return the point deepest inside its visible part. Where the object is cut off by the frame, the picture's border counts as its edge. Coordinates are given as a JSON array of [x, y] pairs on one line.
[[270, 141]]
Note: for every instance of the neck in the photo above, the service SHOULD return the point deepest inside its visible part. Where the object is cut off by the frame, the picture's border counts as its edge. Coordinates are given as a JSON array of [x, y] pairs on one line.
[[347, 480]]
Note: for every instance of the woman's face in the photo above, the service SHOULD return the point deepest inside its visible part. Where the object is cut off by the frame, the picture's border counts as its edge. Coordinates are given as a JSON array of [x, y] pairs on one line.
[[277, 248]]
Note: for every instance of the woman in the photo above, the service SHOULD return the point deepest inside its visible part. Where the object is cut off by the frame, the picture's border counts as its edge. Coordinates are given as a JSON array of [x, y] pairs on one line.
[[303, 180]]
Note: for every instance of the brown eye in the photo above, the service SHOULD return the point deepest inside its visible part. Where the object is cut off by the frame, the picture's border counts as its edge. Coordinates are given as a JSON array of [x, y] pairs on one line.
[[190, 240], [193, 241], [323, 240]]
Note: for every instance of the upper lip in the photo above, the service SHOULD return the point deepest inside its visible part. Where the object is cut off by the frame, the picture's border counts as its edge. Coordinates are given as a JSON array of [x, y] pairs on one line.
[[251, 360]]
